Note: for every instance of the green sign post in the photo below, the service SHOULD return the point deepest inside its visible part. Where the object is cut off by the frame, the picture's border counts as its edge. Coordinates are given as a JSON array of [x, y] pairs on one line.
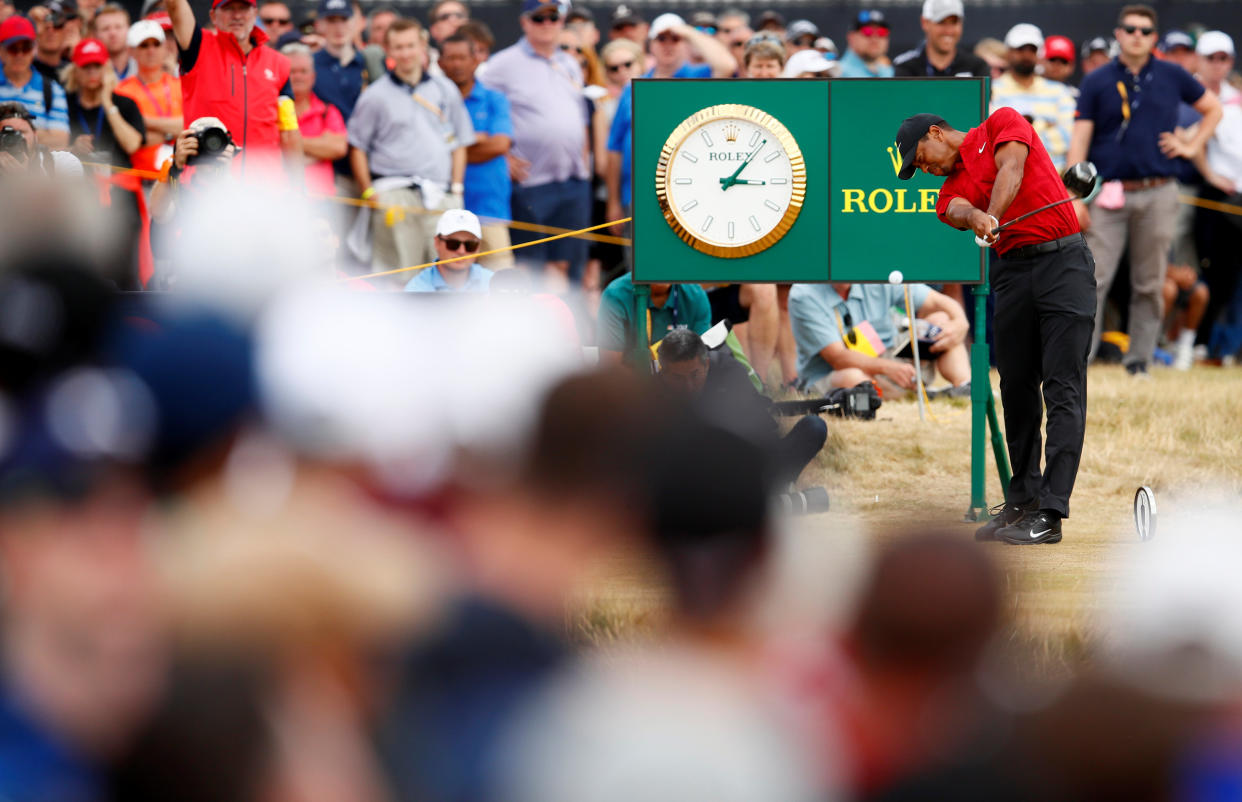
[[796, 181]]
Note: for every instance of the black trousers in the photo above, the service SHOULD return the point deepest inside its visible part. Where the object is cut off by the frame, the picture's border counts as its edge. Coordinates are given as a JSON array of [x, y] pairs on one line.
[[1045, 317], [795, 450]]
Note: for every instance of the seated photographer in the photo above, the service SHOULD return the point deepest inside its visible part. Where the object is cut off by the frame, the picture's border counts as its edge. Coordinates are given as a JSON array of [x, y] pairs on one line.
[[828, 326], [20, 150], [669, 307], [204, 151], [718, 382]]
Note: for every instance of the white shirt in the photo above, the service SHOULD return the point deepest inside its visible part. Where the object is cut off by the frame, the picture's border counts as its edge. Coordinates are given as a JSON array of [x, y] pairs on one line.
[[1224, 149]]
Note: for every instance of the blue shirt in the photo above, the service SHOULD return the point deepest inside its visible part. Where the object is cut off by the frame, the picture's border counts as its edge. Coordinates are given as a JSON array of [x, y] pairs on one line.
[[1133, 151], [686, 70], [619, 137], [36, 765], [31, 96], [339, 84], [487, 184], [816, 309], [852, 66], [432, 280]]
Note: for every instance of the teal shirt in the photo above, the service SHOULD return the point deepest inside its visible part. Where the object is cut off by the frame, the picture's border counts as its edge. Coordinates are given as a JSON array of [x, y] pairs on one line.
[[813, 310], [687, 306]]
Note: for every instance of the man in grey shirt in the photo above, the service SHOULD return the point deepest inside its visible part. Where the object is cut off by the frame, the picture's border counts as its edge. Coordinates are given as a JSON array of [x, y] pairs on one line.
[[548, 161], [408, 137]]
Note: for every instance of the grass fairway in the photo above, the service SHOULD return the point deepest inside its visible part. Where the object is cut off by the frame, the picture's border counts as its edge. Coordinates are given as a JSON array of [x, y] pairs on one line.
[[1180, 434]]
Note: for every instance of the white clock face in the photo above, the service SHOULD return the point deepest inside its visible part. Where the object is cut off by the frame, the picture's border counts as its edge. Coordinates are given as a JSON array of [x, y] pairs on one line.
[[732, 184]]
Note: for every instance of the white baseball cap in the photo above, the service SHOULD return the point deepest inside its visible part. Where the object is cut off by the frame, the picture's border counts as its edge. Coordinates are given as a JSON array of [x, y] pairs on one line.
[[142, 30], [455, 220], [1211, 42], [1023, 34], [940, 10], [662, 23], [807, 61]]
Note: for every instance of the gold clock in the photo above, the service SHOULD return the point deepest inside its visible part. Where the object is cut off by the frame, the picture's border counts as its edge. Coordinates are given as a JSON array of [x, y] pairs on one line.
[[731, 180]]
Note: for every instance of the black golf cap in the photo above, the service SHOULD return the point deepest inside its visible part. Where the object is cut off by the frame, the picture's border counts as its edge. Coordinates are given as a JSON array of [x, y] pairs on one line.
[[908, 135]]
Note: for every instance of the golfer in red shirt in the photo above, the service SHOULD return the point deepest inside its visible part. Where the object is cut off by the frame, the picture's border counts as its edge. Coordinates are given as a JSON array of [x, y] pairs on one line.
[[1044, 279]]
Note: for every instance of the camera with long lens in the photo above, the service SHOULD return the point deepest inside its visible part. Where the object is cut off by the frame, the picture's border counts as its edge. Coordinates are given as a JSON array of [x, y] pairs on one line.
[[213, 141], [13, 142]]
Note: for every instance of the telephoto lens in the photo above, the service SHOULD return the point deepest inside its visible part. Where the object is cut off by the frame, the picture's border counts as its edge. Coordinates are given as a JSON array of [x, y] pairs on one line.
[[805, 502], [12, 142]]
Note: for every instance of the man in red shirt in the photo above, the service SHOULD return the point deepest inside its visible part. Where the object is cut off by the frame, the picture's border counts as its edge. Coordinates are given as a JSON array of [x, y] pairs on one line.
[[1044, 278], [227, 73]]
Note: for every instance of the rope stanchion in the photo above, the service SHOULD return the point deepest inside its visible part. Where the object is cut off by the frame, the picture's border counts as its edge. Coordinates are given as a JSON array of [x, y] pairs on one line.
[[481, 254]]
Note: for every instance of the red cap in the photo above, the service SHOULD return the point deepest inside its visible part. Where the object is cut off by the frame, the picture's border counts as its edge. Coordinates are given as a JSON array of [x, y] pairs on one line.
[[14, 29], [90, 51], [1059, 47], [162, 18], [217, 3]]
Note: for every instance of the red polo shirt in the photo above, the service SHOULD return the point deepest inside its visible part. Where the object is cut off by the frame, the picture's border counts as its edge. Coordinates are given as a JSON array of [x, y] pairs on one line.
[[974, 175]]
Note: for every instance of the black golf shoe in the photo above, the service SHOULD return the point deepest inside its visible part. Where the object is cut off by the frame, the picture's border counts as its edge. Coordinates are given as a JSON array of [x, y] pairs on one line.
[[1002, 515], [1039, 526]]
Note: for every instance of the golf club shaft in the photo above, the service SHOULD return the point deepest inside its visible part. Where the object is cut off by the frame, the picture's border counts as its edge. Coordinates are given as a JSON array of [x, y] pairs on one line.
[[1022, 217]]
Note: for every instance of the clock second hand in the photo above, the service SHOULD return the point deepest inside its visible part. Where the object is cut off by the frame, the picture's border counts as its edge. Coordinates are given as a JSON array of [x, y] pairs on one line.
[[725, 183]]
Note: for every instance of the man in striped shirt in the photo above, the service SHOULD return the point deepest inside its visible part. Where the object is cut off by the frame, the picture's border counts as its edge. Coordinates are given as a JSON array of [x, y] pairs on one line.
[[1048, 105], [26, 86]]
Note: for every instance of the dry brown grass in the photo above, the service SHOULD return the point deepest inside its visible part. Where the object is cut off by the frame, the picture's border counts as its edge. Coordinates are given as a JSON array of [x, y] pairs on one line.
[[1179, 433]]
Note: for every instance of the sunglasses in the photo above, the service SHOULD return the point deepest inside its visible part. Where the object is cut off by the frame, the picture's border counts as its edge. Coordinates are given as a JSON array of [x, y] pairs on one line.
[[25, 46], [1063, 61], [1219, 57], [447, 15], [873, 30], [471, 245], [568, 48], [540, 19], [625, 65], [668, 38], [150, 44], [1146, 30], [276, 20]]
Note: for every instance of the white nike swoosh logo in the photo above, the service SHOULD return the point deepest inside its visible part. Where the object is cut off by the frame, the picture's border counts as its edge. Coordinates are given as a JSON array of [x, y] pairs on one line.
[[981, 147], [1039, 534]]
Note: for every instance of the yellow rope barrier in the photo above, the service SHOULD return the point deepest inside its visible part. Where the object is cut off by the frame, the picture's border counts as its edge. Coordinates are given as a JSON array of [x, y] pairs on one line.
[[1216, 206], [486, 253]]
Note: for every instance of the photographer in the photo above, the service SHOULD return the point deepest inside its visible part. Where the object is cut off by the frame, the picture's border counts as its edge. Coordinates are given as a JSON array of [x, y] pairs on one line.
[[719, 382], [204, 152], [20, 150]]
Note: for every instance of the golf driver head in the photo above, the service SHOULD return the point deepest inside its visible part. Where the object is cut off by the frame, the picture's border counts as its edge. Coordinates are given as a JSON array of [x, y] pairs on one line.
[[1083, 180]]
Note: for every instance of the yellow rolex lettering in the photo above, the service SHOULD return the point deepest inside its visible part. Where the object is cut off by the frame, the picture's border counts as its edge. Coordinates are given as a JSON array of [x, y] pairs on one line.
[[901, 203], [854, 197], [888, 200], [927, 199]]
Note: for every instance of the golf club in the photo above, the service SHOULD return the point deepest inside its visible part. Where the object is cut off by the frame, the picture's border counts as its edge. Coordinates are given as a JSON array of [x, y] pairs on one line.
[[1082, 181]]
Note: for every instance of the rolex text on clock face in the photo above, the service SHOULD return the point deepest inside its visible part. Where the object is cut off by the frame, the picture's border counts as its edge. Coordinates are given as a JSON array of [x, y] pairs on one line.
[[732, 180]]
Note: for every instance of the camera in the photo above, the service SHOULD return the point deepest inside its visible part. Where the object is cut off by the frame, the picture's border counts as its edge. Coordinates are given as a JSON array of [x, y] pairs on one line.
[[13, 142], [213, 141]]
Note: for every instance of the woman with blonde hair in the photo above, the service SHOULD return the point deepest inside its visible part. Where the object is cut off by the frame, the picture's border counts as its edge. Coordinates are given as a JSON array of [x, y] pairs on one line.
[[100, 122]]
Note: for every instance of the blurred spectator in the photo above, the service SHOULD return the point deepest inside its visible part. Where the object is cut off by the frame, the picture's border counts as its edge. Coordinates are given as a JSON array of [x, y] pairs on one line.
[[445, 17], [810, 64], [581, 21], [324, 139], [942, 22], [1046, 104], [824, 318], [994, 54], [826, 46], [866, 54], [672, 40], [1058, 60], [1185, 301], [764, 59], [408, 138], [50, 29], [7, 9], [112, 28], [103, 125], [548, 161], [1141, 207], [801, 35], [627, 24], [458, 234], [1179, 48], [34, 155], [487, 171], [734, 32], [772, 22], [157, 94], [374, 54], [276, 18], [340, 72], [45, 100], [1216, 233], [206, 172], [210, 59], [1096, 52], [669, 307]]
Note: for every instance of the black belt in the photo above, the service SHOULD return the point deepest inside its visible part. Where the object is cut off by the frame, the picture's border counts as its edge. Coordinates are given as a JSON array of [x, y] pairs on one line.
[[1027, 251]]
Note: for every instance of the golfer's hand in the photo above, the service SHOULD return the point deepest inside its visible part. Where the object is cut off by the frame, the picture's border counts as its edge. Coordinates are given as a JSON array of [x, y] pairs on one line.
[[952, 334], [900, 372], [983, 224]]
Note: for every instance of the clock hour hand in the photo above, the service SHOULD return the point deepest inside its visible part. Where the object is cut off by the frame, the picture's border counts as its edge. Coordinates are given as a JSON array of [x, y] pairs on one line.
[[725, 183]]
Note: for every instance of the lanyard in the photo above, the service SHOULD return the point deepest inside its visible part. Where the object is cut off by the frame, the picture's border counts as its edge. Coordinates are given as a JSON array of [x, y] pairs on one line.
[[672, 300], [95, 129], [166, 110]]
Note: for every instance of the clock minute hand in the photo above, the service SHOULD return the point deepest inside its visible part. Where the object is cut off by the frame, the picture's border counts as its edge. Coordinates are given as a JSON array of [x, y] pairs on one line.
[[725, 183], [749, 181]]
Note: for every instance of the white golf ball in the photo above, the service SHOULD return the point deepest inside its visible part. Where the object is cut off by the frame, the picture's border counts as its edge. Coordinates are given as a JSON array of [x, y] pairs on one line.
[[895, 277]]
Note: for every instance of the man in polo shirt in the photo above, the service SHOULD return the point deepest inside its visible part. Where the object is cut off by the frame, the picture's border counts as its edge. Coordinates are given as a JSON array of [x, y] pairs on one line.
[[1047, 105], [669, 307], [1043, 276], [408, 138], [228, 73], [940, 55], [457, 235], [1127, 112], [487, 172], [548, 162], [867, 52], [26, 86]]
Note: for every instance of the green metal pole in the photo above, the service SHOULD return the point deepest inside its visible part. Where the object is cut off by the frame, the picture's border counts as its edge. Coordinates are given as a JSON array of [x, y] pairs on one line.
[[642, 341], [980, 401], [998, 446]]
